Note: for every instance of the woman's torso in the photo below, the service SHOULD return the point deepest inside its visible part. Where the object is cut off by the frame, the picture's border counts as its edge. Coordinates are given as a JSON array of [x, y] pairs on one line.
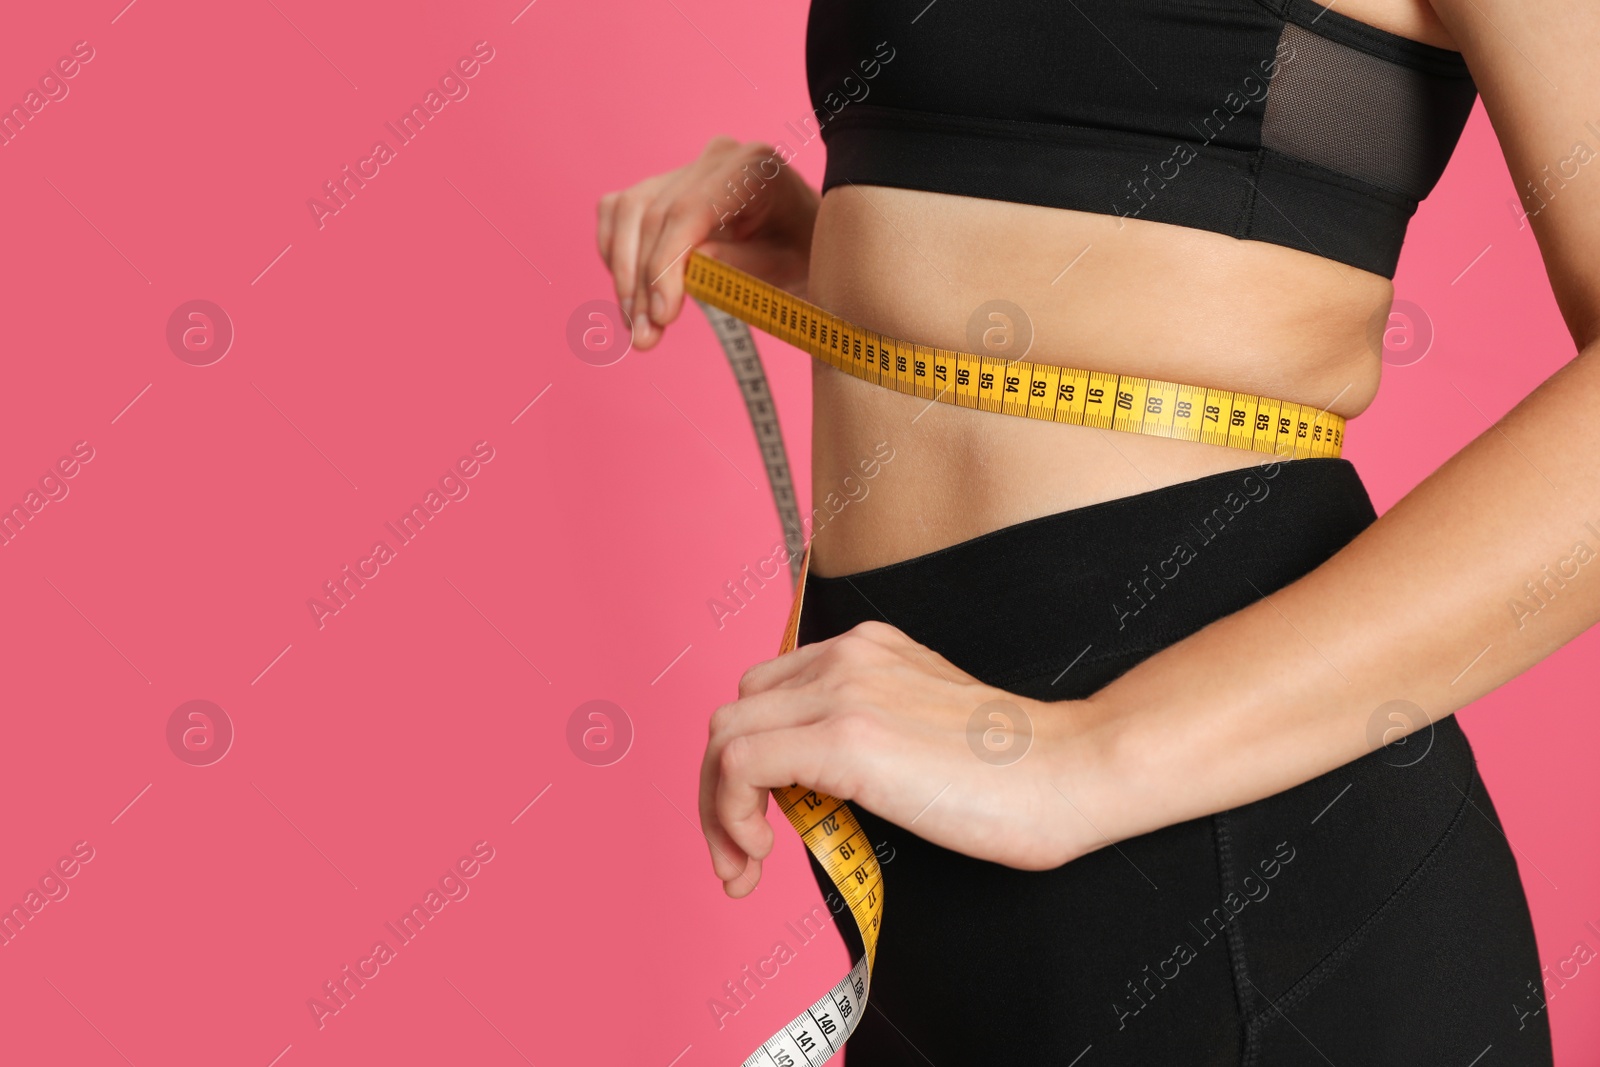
[[1100, 292]]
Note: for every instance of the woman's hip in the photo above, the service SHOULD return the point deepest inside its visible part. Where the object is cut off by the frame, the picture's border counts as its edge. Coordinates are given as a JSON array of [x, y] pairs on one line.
[[1218, 939]]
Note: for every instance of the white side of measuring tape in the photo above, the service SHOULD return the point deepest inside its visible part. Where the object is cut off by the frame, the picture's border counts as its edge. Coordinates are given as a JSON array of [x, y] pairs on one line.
[[740, 348], [821, 1030]]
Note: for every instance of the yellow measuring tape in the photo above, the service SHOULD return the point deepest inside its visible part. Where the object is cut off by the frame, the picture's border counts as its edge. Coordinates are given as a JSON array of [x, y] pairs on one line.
[[1019, 387], [833, 836], [1015, 387]]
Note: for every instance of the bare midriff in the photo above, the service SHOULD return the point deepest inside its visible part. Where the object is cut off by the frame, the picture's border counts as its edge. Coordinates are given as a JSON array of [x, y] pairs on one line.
[[1099, 292]]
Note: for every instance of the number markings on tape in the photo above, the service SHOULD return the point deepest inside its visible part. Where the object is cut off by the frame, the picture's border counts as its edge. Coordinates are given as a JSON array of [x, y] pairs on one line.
[[1032, 390]]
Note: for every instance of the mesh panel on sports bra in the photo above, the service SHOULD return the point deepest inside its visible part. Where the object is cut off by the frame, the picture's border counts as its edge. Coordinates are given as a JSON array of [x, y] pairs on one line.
[[1356, 114], [1030, 101]]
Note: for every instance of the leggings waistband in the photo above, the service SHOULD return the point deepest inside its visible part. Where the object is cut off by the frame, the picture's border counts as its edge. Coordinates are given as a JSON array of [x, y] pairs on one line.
[[1124, 578], [1167, 947]]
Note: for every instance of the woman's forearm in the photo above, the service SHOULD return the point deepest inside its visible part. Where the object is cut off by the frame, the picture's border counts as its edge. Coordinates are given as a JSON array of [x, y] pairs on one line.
[[1423, 606]]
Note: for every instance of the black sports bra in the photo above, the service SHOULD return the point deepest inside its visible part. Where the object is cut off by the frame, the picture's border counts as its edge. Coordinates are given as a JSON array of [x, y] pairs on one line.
[[1267, 120]]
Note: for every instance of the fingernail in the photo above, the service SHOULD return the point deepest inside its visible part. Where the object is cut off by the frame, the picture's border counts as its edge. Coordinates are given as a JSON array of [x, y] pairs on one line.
[[658, 306], [627, 307]]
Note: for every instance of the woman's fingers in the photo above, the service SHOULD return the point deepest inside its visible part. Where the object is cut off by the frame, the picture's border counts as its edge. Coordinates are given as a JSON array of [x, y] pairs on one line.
[[869, 644], [777, 701], [738, 871], [745, 883], [624, 255], [775, 710], [679, 218], [766, 712], [791, 666], [753, 764], [623, 244], [728, 860], [648, 328], [605, 213], [688, 217], [646, 232], [683, 225]]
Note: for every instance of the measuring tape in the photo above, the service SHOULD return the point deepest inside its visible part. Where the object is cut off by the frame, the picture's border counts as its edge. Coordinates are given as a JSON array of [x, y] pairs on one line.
[[826, 824], [740, 348], [731, 299], [1019, 387], [833, 836]]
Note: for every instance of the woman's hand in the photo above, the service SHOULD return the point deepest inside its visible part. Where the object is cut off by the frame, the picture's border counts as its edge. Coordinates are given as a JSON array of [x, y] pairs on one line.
[[742, 198], [873, 717]]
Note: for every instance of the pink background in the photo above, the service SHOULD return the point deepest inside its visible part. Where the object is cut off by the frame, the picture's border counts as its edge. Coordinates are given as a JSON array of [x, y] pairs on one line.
[[371, 354]]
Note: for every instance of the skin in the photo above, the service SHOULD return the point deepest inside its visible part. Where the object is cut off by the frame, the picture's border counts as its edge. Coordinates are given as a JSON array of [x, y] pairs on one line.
[[1255, 703]]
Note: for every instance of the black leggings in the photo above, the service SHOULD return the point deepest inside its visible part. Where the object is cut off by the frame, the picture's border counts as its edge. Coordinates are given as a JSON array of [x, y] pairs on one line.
[[1372, 915]]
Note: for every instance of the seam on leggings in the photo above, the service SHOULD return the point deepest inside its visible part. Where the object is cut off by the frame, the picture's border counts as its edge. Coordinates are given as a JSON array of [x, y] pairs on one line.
[[1222, 843], [1329, 963]]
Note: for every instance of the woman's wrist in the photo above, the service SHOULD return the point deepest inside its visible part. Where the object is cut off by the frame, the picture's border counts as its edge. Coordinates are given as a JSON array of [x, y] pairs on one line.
[[1096, 773], [1212, 723], [1118, 766]]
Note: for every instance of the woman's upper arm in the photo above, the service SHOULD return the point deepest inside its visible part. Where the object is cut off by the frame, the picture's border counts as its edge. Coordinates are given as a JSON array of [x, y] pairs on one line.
[[1537, 67]]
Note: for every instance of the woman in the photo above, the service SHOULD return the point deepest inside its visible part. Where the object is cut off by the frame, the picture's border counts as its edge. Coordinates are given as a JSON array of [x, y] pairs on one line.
[[1213, 847]]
